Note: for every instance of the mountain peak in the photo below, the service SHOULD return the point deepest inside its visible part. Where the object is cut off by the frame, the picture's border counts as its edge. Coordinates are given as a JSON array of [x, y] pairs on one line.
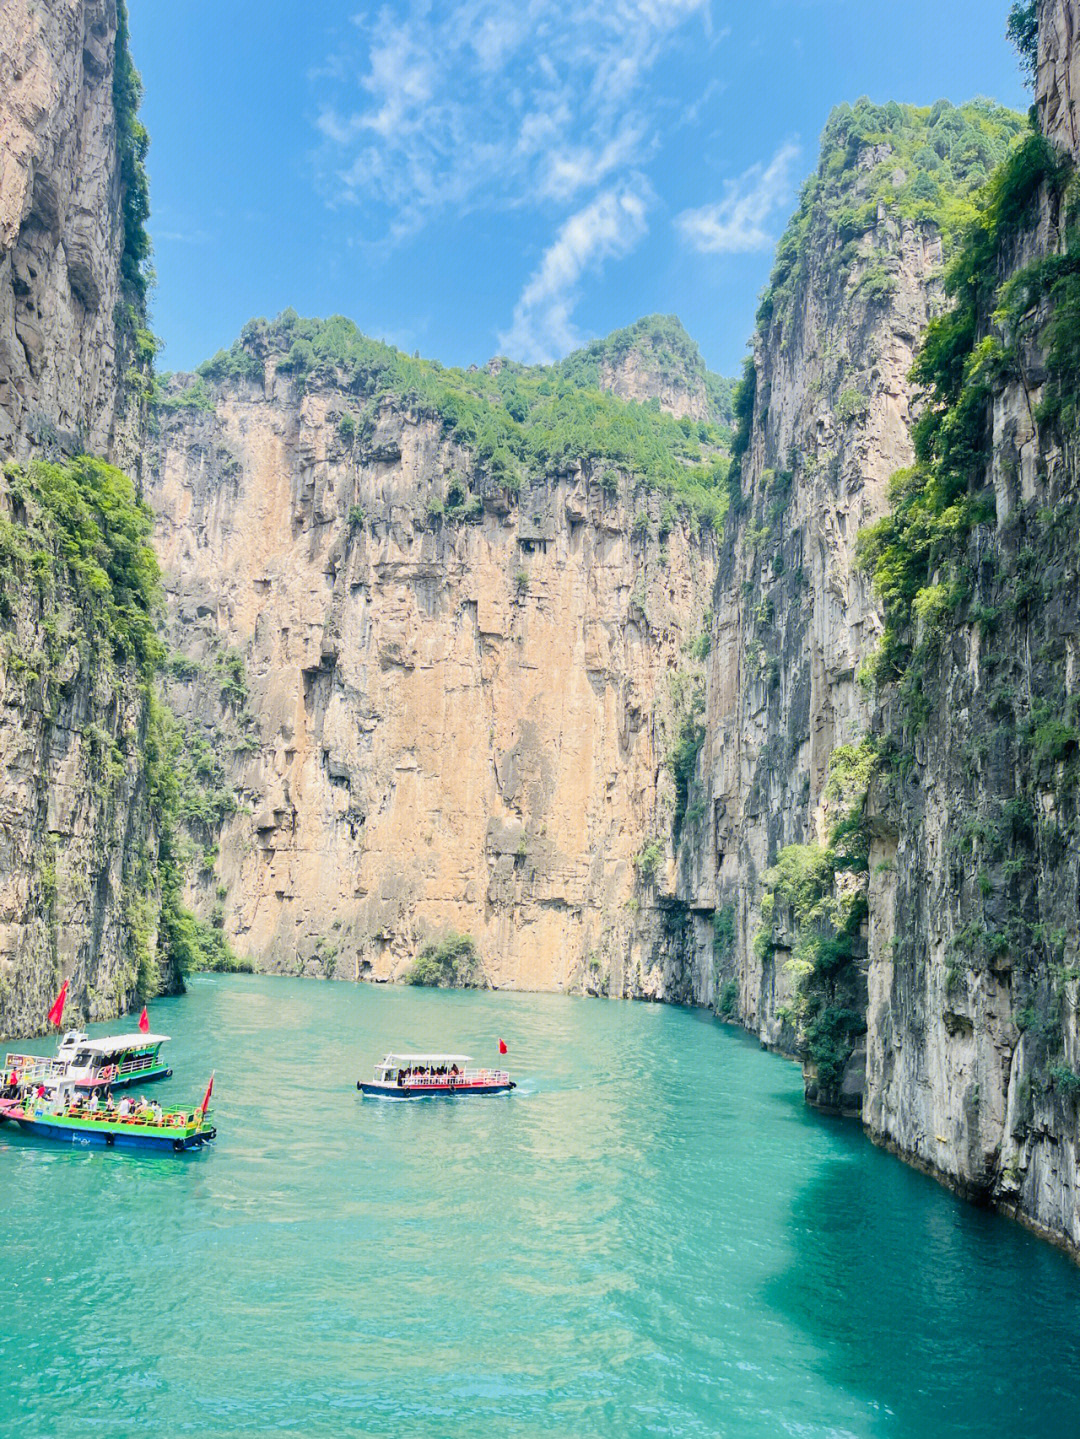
[[652, 359]]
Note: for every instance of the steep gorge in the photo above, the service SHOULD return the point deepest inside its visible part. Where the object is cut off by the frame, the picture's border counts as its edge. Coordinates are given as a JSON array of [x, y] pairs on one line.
[[513, 653], [80, 890], [465, 670], [895, 860]]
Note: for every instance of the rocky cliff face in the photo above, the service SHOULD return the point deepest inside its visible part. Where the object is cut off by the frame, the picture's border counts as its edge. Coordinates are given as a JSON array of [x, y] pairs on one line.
[[78, 838], [974, 1043], [459, 698], [1058, 87], [886, 881], [827, 407], [62, 231]]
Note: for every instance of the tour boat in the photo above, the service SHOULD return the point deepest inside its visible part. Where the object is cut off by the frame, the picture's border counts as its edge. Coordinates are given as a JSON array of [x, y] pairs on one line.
[[113, 1062], [432, 1076], [63, 1114]]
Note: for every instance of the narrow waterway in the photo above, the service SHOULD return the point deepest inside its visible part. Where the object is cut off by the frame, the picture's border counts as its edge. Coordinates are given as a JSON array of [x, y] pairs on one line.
[[653, 1236]]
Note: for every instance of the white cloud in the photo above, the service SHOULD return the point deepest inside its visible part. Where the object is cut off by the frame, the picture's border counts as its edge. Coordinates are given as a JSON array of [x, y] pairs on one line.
[[463, 103], [736, 223], [609, 227]]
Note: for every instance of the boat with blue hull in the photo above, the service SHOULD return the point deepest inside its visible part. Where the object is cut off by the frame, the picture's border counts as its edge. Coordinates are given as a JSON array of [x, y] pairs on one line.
[[433, 1076], [61, 1114]]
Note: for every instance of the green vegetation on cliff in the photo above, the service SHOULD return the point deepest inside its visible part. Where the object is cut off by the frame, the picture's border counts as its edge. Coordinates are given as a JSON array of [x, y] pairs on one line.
[[518, 422], [893, 162], [917, 554], [187, 941], [820, 891], [450, 963], [80, 537], [76, 546], [915, 163], [132, 143]]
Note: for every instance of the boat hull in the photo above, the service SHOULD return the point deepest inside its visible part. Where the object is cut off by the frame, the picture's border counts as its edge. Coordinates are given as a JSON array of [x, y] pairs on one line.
[[430, 1091], [108, 1134]]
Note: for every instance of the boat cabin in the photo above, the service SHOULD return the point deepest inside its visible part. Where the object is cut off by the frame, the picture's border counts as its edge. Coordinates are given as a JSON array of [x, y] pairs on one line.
[[413, 1069], [420, 1076], [117, 1059]]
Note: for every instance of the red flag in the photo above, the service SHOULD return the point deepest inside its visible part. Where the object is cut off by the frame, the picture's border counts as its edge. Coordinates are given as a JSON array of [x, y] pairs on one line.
[[206, 1096], [144, 1021], [502, 1046], [56, 1014]]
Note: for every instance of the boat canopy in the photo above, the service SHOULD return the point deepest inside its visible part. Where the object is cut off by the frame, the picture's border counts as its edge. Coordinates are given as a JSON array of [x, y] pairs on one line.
[[112, 1043], [404, 1061]]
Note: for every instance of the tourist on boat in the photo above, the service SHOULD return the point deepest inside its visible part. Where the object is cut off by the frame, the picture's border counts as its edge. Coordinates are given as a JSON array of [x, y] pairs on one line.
[[93, 1102]]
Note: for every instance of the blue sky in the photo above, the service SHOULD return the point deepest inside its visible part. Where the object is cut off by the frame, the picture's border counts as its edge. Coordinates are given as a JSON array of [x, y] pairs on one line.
[[472, 177]]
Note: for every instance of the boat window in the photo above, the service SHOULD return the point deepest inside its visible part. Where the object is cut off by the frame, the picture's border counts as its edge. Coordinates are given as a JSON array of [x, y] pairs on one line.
[[83, 1057]]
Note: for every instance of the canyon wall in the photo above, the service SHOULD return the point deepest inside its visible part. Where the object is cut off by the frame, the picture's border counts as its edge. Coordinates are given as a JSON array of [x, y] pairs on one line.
[[78, 839], [913, 938], [974, 1040], [64, 342], [828, 404], [444, 719]]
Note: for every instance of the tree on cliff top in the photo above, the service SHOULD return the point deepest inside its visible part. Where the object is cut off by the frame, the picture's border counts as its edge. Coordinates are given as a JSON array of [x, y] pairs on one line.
[[1023, 31]]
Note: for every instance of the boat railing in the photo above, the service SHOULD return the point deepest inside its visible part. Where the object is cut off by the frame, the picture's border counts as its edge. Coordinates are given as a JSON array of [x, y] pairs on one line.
[[131, 1066], [34, 1068], [465, 1077]]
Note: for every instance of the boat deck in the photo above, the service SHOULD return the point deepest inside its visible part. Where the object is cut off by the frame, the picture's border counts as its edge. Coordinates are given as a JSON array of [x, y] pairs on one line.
[[496, 1083], [174, 1132]]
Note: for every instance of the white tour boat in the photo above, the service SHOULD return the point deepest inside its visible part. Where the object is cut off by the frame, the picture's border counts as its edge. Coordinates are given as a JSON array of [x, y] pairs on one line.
[[114, 1061], [432, 1076]]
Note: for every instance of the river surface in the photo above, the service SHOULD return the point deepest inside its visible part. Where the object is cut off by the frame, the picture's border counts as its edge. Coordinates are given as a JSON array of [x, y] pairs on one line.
[[653, 1236]]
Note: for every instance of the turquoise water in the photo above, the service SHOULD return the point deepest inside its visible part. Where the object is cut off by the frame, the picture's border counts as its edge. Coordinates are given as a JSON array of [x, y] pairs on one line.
[[651, 1237]]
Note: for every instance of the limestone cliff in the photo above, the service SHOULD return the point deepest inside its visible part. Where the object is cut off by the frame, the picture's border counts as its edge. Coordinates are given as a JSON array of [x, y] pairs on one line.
[[72, 198], [455, 681], [1058, 75], [826, 408], [79, 825], [974, 1040], [886, 880]]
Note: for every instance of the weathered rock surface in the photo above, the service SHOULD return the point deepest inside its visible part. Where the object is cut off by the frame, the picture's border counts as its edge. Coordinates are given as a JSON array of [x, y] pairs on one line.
[[794, 617], [75, 826], [455, 725], [61, 227], [1057, 92]]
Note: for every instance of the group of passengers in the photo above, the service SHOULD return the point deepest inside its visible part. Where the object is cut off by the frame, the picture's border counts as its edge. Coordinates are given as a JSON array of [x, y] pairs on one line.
[[142, 1110], [92, 1106], [430, 1074]]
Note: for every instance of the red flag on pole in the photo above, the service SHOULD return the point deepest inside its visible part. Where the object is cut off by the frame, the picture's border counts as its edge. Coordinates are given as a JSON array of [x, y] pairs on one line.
[[56, 1014], [144, 1021], [502, 1046], [206, 1096]]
